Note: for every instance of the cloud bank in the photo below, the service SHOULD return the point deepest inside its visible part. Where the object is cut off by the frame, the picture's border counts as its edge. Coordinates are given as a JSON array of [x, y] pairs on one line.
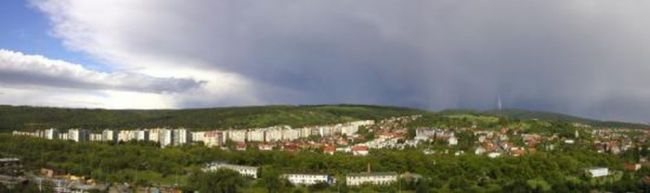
[[33, 70], [578, 57]]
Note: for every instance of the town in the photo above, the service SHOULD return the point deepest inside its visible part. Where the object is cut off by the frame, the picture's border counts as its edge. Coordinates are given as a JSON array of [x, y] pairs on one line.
[[356, 138]]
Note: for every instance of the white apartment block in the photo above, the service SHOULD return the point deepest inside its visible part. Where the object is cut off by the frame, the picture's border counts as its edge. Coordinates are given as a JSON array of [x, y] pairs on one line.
[[198, 136], [125, 135], [249, 171], [274, 134], [305, 132], [63, 136], [95, 137], [256, 135], [78, 135], [181, 136], [213, 138], [142, 135], [51, 133], [237, 135], [166, 137], [376, 178], [308, 179], [109, 135], [154, 135], [291, 134]]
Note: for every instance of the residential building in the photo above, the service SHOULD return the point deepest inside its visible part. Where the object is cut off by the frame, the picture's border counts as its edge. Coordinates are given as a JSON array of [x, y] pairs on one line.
[[360, 150], [249, 171], [95, 137], [256, 135], [213, 138], [142, 135], [180, 136], [309, 179], [597, 172], [376, 178], [198, 136], [109, 135], [273, 134], [78, 135], [166, 137], [126, 135], [452, 140], [290, 134], [237, 135], [51, 134]]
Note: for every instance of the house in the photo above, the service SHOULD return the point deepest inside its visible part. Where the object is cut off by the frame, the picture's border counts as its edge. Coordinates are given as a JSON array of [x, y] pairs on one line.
[[494, 154], [360, 150], [597, 172], [240, 146], [309, 179], [265, 147], [480, 150], [249, 171], [632, 166], [452, 140], [329, 150], [290, 147], [376, 178]]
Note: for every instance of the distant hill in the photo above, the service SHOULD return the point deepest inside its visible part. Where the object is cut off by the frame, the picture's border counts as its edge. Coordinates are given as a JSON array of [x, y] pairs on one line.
[[550, 116], [26, 117]]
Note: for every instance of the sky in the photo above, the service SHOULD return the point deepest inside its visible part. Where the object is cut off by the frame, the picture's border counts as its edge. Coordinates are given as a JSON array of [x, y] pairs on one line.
[[586, 58]]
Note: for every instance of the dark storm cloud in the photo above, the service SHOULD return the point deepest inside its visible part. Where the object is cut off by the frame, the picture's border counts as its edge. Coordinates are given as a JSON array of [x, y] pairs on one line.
[[587, 58]]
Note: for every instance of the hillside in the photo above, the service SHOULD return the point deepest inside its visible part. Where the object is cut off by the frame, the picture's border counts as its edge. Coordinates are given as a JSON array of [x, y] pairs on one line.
[[522, 114], [25, 117]]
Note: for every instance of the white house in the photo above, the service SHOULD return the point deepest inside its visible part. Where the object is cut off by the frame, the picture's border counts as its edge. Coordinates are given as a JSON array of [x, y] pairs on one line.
[[309, 179], [249, 171], [494, 154], [376, 178], [453, 140], [597, 172], [360, 150]]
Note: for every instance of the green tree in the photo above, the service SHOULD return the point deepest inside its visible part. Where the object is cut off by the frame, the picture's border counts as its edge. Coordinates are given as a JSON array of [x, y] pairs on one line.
[[220, 181]]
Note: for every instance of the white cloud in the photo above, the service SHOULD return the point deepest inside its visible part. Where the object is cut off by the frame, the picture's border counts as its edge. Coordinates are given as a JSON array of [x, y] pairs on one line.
[[34, 70]]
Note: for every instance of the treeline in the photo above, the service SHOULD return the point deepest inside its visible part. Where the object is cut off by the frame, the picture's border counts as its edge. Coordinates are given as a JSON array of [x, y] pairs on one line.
[[145, 164], [23, 117]]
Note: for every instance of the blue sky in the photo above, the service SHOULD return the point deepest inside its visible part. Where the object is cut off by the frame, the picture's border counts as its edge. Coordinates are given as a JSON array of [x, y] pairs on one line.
[[27, 30]]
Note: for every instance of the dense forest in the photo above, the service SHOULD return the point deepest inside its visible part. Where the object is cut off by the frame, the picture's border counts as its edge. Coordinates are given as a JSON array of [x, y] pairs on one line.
[[24, 117]]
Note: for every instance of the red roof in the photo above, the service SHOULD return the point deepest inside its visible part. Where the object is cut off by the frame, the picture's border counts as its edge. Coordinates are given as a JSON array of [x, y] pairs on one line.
[[360, 148]]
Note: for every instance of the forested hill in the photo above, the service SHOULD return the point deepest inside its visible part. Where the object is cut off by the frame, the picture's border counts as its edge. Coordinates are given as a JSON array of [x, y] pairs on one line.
[[522, 114], [25, 117]]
